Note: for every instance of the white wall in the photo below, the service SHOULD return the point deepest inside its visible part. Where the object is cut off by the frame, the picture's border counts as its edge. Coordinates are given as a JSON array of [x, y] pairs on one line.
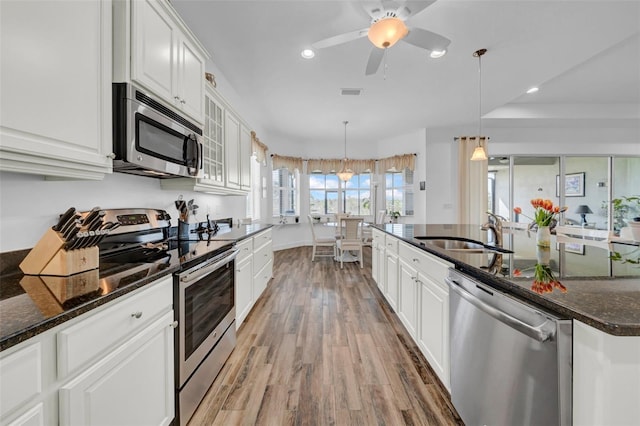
[[29, 204]]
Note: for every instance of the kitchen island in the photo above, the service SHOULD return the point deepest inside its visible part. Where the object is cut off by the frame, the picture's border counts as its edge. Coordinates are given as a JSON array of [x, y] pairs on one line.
[[600, 295]]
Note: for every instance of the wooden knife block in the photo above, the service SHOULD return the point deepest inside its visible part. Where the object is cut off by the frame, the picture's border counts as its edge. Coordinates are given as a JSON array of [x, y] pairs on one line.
[[49, 257]]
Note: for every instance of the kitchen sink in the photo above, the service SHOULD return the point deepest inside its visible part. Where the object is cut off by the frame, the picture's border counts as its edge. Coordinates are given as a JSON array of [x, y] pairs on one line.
[[460, 245]]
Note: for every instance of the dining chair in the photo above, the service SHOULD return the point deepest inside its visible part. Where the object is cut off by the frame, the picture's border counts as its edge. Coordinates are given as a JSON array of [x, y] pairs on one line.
[[351, 238], [321, 242], [339, 230]]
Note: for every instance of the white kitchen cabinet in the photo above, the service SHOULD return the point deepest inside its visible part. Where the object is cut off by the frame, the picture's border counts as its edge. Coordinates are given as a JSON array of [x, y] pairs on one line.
[[606, 377], [244, 280], [55, 75], [378, 258], [227, 152], [408, 300], [155, 49], [391, 271], [133, 384], [431, 303], [262, 262], [433, 325], [254, 269], [232, 143], [245, 152], [106, 366]]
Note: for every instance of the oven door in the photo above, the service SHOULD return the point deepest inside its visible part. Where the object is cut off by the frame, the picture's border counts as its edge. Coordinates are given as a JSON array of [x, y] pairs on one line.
[[205, 309]]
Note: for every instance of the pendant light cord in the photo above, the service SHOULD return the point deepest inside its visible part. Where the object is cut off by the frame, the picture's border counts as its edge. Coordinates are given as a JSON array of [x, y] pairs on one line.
[[479, 97], [345, 139]]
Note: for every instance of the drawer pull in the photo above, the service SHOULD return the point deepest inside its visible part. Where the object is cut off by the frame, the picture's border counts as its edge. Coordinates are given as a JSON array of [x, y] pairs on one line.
[[416, 260], [136, 315]]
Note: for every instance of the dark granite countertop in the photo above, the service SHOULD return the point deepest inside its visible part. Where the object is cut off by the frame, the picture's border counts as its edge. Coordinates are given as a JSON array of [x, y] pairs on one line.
[[30, 305], [592, 288], [242, 232]]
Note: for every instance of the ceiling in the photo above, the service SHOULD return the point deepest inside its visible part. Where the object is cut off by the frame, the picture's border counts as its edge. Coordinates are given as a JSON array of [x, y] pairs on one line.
[[584, 56]]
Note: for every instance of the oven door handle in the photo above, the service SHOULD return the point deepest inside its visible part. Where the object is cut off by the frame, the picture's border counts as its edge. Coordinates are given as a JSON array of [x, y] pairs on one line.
[[206, 269]]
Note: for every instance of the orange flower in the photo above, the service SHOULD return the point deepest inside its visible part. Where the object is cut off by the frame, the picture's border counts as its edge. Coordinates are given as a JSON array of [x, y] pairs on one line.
[[556, 209], [517, 272], [517, 210]]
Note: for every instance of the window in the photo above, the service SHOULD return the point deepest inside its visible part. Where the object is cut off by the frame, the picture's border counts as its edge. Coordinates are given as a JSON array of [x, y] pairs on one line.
[[357, 196], [285, 192], [323, 193], [399, 192]]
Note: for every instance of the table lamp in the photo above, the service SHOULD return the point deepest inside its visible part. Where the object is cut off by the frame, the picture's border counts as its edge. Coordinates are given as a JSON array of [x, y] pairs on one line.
[[583, 210]]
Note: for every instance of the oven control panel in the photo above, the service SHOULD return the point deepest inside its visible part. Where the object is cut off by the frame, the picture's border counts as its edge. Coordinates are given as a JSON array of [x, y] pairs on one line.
[[133, 219]]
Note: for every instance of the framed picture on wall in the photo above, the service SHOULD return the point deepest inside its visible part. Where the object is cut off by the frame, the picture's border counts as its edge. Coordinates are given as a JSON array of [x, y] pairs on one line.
[[573, 185]]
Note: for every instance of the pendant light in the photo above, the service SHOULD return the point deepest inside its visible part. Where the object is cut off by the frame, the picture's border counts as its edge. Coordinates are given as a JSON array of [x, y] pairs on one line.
[[345, 174], [479, 153]]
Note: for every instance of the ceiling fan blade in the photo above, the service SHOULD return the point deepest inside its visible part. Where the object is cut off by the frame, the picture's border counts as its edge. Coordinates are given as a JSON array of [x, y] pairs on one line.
[[375, 58], [340, 39], [411, 8], [426, 39]]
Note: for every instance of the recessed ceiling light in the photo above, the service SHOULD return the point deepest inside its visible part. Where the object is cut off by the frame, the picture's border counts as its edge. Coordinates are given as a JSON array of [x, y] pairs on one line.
[[307, 53], [435, 54], [532, 90]]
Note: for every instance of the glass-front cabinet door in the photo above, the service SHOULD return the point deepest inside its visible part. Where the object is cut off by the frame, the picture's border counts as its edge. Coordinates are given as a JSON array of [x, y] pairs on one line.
[[213, 142]]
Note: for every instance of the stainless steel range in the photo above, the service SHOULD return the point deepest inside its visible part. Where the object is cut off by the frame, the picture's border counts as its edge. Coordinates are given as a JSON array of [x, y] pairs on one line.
[[204, 285]]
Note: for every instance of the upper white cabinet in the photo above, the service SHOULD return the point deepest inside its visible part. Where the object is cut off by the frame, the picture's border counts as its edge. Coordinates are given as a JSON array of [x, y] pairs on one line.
[[56, 88], [154, 48], [227, 151]]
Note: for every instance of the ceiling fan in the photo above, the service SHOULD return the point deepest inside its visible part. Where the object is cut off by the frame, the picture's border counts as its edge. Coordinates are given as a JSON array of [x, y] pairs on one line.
[[387, 28]]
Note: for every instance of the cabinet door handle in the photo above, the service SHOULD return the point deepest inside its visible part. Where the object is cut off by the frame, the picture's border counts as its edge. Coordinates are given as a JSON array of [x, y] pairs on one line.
[[416, 260], [136, 315], [174, 324], [177, 98], [182, 101], [111, 156]]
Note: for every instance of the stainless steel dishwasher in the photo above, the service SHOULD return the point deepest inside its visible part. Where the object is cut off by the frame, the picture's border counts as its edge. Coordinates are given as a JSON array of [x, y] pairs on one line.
[[510, 362]]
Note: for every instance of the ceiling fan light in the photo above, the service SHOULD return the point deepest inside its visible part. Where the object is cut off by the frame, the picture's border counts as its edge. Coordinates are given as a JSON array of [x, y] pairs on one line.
[[435, 54], [386, 32], [479, 154]]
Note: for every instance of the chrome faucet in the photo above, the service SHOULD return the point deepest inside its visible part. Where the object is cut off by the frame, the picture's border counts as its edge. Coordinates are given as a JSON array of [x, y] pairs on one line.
[[496, 226]]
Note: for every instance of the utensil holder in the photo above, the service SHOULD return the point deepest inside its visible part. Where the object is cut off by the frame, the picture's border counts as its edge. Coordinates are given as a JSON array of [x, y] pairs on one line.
[[186, 229], [48, 257]]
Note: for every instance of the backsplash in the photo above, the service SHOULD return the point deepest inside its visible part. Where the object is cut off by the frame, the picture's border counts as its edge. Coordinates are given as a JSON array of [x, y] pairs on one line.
[[29, 204]]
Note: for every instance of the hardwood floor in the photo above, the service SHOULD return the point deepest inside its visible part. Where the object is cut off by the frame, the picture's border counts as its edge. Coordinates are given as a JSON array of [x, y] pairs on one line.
[[322, 347]]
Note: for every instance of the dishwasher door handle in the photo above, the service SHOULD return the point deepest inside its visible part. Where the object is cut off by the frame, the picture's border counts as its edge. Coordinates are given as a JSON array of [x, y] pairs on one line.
[[538, 332]]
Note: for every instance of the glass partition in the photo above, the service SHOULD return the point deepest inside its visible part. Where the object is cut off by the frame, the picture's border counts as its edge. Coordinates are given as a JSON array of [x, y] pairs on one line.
[[586, 185], [533, 177]]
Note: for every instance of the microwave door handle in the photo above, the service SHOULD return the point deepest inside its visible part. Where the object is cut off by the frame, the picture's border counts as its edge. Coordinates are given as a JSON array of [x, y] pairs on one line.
[[192, 166]]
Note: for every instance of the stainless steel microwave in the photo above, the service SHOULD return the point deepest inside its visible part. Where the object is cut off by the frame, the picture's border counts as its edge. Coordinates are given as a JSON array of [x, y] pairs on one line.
[[150, 139]]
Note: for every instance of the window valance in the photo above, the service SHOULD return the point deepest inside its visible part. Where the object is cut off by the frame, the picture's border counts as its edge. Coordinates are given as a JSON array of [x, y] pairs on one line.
[[397, 163], [258, 148], [333, 165], [324, 166], [291, 163]]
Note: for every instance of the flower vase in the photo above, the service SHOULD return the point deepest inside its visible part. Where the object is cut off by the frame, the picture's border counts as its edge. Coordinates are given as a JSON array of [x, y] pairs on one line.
[[543, 255], [543, 236]]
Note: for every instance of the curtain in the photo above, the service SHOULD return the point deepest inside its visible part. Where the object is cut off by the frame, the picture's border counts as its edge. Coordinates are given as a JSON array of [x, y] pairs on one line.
[[362, 166], [291, 163], [472, 182], [397, 163], [259, 148], [324, 166]]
